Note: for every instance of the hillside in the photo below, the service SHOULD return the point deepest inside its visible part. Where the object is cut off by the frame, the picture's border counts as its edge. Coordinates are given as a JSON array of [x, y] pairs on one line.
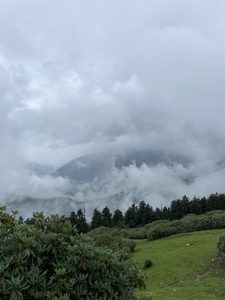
[[183, 267]]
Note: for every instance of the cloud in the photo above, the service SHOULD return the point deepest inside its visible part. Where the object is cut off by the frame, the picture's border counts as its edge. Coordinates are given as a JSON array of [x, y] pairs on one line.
[[81, 77]]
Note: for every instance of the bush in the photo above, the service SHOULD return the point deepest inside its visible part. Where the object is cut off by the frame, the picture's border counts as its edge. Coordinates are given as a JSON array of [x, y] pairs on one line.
[[114, 242], [137, 234], [162, 231], [131, 245], [221, 245], [148, 264], [100, 230], [48, 260], [189, 223], [155, 224]]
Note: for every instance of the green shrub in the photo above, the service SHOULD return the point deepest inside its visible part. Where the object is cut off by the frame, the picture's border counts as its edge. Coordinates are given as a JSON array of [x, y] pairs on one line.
[[148, 263], [131, 245], [114, 242], [106, 239], [48, 260], [161, 232], [221, 245], [215, 220], [137, 234], [155, 224], [100, 230]]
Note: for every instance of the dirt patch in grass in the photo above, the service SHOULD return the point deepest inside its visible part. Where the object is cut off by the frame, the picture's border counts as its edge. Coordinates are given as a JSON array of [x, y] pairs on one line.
[[215, 264]]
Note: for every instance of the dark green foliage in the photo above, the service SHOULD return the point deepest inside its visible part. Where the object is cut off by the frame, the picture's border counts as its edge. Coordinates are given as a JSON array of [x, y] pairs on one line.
[[131, 216], [161, 232], [105, 236], [188, 224], [179, 208], [148, 263], [165, 213], [144, 213], [136, 234], [131, 245], [141, 213], [81, 222], [73, 218], [137, 215], [96, 219], [118, 218], [21, 219], [221, 245], [48, 260], [100, 230], [106, 217], [78, 220]]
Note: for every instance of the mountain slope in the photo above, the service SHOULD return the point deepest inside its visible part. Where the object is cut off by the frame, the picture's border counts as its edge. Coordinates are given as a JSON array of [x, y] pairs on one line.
[[182, 267]]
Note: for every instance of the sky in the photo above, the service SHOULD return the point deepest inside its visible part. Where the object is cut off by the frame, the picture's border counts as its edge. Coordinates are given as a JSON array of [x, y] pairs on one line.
[[80, 77]]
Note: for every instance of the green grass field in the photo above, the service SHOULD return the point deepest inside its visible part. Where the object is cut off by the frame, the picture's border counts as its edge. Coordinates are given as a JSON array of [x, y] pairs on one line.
[[182, 267]]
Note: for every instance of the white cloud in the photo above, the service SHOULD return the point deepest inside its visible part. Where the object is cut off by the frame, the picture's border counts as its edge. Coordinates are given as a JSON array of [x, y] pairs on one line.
[[82, 77]]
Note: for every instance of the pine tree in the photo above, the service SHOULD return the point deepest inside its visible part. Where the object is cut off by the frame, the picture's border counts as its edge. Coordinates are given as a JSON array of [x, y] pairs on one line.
[[165, 213], [158, 214], [131, 216], [82, 225], [118, 218], [141, 213], [73, 218], [21, 219], [96, 219], [149, 214], [106, 217]]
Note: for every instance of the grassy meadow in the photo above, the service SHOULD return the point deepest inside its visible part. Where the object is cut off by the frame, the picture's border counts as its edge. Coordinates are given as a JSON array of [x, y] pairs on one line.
[[183, 266]]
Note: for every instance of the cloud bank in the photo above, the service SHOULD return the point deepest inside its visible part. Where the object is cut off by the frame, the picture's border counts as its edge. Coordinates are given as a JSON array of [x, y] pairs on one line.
[[85, 77]]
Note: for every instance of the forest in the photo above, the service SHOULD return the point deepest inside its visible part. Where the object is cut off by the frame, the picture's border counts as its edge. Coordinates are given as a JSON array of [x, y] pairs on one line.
[[143, 213], [66, 257]]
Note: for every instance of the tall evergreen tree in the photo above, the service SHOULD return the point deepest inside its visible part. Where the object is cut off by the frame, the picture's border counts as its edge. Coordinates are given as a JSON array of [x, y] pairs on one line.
[[73, 218], [131, 216], [165, 213], [149, 214], [141, 213], [96, 219], [158, 214], [106, 217], [21, 219], [204, 204], [82, 225], [195, 206], [180, 208], [118, 218]]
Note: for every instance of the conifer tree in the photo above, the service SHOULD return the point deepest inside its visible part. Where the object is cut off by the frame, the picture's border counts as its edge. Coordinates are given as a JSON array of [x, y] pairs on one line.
[[118, 218], [106, 217], [73, 218], [82, 225], [131, 216], [96, 219]]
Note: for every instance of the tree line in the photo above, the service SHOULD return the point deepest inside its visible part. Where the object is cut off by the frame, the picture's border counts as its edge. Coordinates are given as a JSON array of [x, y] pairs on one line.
[[143, 213]]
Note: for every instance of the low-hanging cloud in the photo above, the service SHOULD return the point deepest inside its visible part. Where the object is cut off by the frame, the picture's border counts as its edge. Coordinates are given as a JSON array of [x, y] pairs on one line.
[[82, 78]]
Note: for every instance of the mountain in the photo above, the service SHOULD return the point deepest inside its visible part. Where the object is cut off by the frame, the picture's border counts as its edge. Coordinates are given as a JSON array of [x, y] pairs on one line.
[[86, 168], [55, 205], [90, 182]]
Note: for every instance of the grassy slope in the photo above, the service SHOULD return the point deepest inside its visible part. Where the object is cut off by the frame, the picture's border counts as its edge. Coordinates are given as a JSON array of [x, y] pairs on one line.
[[177, 269]]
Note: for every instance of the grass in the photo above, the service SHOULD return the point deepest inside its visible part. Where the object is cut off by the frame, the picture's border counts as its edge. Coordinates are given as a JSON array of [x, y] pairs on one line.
[[182, 267]]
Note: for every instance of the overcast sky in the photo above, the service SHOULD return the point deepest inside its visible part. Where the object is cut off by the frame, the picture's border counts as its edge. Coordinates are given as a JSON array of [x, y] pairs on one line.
[[79, 77]]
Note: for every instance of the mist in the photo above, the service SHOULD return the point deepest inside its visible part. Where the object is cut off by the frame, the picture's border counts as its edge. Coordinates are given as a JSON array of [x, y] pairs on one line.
[[81, 79]]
